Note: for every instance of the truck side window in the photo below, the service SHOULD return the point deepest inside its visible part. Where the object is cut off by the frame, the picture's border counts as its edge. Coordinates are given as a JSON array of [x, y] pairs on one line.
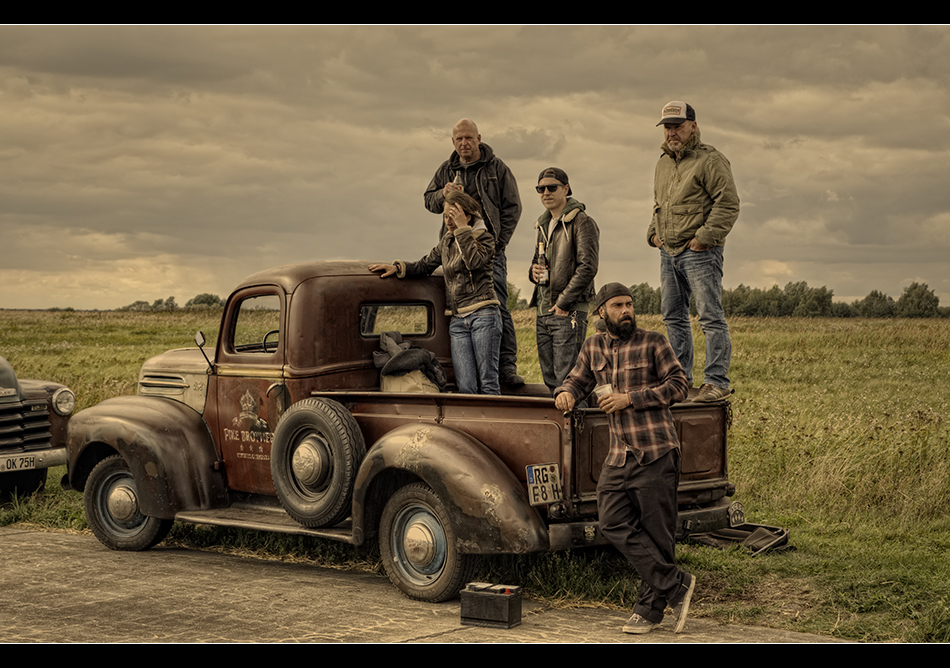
[[257, 325], [407, 319]]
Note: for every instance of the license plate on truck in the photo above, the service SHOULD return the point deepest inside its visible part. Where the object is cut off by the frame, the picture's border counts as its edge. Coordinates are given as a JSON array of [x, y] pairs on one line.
[[19, 463], [544, 483]]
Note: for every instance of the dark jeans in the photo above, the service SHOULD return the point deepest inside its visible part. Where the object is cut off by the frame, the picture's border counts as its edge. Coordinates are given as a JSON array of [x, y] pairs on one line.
[[508, 354], [637, 507], [559, 341]]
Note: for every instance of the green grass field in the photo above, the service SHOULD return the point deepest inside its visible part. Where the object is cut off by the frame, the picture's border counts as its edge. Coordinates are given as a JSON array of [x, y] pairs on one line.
[[840, 433]]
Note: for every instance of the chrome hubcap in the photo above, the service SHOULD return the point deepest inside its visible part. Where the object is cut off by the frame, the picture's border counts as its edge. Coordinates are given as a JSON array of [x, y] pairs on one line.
[[310, 461], [419, 544], [123, 503]]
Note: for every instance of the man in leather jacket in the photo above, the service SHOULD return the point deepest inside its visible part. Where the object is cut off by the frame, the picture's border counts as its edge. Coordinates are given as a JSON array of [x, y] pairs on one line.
[[563, 270]]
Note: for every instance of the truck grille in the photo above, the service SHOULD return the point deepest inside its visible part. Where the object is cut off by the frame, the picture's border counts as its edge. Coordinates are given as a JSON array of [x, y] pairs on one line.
[[24, 425]]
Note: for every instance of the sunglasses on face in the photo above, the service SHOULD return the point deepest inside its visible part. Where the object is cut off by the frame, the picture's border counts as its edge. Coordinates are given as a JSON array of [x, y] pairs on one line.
[[550, 188]]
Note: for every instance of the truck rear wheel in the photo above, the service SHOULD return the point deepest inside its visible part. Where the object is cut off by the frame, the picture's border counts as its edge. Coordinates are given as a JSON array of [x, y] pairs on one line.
[[317, 450], [417, 544], [112, 509]]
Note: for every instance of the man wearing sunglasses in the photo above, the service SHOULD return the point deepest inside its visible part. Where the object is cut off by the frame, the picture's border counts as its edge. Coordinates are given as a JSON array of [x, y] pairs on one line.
[[474, 169], [695, 207], [563, 270]]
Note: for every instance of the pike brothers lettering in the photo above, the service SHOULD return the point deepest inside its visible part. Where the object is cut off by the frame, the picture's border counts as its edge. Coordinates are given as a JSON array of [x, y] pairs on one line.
[[256, 435]]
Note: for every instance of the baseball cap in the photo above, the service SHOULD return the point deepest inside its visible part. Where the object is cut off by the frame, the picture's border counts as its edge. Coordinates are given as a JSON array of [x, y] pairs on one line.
[[676, 112]]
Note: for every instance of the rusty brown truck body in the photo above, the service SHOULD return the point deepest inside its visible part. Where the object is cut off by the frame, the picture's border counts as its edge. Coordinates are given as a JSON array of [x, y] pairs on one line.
[[284, 427]]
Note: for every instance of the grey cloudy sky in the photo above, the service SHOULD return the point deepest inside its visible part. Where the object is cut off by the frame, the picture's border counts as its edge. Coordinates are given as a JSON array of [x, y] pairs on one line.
[[146, 162]]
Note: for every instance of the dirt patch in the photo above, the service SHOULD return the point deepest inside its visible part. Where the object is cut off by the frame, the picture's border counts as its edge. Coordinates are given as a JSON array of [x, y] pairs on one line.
[[772, 601]]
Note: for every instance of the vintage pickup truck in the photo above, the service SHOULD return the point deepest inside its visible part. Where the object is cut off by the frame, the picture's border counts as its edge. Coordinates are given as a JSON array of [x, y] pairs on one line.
[[286, 428], [33, 416]]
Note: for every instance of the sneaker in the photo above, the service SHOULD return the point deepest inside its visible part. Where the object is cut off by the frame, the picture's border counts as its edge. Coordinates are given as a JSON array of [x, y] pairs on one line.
[[637, 624], [711, 393], [682, 608]]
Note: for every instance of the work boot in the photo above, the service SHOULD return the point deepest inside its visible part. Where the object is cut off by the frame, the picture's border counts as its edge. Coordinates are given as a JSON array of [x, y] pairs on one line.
[[510, 377]]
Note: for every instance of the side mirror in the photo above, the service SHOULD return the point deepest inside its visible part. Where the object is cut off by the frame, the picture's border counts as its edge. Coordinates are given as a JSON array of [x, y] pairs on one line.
[[200, 340]]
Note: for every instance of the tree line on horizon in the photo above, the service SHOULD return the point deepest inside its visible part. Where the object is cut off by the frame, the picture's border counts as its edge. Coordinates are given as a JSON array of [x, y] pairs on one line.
[[205, 300], [800, 301], [797, 299]]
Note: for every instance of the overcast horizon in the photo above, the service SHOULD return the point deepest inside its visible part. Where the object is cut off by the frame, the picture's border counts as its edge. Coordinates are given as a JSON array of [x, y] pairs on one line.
[[148, 162]]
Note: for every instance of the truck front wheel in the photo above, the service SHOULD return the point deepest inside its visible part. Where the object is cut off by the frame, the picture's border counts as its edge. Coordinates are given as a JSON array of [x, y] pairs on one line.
[[112, 509], [418, 546]]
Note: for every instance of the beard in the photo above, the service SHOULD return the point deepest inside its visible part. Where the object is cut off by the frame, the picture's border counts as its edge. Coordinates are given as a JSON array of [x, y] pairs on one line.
[[676, 145], [623, 329]]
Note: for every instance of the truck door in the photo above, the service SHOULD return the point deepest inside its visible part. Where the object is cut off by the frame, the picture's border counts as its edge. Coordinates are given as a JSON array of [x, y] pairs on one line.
[[250, 392]]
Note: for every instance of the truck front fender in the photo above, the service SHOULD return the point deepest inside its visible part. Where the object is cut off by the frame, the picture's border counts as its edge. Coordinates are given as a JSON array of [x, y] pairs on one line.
[[166, 444], [488, 505]]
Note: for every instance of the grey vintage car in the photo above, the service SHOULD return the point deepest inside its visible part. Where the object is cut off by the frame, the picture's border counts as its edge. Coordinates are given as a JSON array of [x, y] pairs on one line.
[[33, 417]]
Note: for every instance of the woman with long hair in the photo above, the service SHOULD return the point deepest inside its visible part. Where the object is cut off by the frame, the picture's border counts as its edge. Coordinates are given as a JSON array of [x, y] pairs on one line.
[[465, 252]]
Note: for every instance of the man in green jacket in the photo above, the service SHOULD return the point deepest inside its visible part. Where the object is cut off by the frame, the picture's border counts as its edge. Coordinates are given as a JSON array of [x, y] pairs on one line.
[[695, 207]]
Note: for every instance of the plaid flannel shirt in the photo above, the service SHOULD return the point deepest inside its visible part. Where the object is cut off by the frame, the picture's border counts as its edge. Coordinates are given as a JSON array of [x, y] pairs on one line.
[[644, 367]]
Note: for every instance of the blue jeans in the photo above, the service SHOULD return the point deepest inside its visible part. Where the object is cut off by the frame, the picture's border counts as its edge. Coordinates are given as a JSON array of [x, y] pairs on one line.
[[508, 351], [559, 344], [475, 340], [697, 273]]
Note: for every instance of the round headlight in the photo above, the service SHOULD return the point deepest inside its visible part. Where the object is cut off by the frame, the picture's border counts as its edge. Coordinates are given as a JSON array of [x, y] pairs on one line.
[[64, 401]]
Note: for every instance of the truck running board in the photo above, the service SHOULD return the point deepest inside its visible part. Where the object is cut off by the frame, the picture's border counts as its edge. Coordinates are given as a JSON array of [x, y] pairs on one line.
[[258, 518]]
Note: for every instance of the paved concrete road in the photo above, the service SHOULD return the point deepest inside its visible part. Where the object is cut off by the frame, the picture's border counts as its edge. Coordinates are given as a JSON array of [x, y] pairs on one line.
[[58, 587]]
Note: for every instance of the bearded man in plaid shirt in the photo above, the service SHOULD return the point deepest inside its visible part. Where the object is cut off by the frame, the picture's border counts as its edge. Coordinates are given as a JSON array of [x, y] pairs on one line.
[[637, 378]]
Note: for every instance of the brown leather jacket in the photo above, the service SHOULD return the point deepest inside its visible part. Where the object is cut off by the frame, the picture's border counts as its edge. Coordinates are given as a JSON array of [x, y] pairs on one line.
[[573, 248], [466, 257]]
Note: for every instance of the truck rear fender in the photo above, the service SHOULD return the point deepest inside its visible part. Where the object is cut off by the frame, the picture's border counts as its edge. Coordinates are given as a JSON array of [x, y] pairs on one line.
[[489, 505], [166, 444]]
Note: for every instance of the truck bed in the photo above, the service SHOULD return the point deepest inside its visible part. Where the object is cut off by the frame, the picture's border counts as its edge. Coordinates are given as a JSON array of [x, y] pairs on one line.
[[528, 429]]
